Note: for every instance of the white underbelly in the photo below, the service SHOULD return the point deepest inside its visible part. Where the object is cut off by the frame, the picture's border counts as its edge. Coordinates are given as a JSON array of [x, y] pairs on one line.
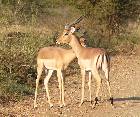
[[50, 63], [86, 64]]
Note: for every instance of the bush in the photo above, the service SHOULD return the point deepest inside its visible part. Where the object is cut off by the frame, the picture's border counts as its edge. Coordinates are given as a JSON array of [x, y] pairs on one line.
[[18, 52]]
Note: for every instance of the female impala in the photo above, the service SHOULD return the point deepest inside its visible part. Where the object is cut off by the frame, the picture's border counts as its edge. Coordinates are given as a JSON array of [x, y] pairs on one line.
[[53, 58], [89, 59]]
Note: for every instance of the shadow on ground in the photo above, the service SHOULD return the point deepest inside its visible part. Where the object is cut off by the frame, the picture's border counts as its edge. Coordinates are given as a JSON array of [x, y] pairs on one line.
[[127, 99]]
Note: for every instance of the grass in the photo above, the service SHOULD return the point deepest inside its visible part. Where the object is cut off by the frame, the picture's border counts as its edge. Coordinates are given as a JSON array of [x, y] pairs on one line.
[[18, 50]]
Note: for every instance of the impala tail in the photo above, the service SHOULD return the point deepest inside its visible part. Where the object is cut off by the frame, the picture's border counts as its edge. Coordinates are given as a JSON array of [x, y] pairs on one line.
[[103, 62], [106, 62]]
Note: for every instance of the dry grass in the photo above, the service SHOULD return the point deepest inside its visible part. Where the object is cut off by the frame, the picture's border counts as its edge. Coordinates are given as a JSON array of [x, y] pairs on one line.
[[124, 79]]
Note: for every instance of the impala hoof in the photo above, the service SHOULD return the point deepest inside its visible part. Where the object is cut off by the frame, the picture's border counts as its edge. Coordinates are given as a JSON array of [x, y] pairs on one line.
[[81, 103], [111, 99], [51, 105], [35, 105], [93, 106], [96, 102], [61, 105], [64, 104]]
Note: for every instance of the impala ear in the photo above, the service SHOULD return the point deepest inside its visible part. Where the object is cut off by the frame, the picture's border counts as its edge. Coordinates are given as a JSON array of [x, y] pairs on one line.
[[72, 30]]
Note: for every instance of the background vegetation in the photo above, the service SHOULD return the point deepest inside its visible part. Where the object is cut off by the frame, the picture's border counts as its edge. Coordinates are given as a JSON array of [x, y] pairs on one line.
[[28, 25]]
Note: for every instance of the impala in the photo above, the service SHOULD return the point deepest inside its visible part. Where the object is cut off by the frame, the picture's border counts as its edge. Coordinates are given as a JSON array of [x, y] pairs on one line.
[[89, 59], [50, 59]]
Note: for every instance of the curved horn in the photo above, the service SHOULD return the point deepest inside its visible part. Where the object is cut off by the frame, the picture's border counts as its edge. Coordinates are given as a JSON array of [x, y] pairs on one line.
[[67, 26]]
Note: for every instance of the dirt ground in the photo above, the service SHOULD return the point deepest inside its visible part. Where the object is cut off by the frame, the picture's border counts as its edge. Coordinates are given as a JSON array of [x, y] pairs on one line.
[[125, 84]]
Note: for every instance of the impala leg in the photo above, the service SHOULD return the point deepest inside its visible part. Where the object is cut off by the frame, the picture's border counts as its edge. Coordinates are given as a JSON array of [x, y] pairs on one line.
[[60, 86], [98, 82], [83, 86], [89, 85], [108, 85], [105, 68], [39, 72], [63, 100], [46, 80]]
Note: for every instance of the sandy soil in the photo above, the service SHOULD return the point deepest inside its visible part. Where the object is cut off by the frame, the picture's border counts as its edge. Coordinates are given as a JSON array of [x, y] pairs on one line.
[[125, 84]]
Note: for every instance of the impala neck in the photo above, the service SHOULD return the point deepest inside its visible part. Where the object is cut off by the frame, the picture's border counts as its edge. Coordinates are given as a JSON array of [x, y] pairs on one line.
[[70, 55], [74, 43]]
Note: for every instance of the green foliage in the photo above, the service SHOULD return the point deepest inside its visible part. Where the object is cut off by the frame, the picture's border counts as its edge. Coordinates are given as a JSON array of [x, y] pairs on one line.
[[18, 62], [11, 89], [128, 9]]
